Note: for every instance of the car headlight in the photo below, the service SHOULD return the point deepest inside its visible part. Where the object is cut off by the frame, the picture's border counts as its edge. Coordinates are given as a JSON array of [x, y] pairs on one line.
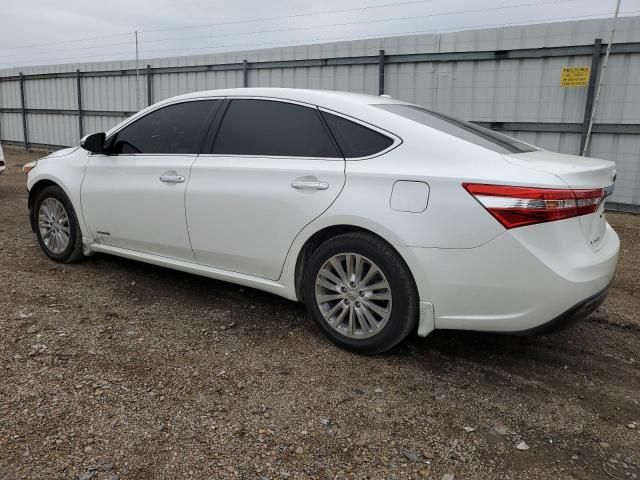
[[27, 167]]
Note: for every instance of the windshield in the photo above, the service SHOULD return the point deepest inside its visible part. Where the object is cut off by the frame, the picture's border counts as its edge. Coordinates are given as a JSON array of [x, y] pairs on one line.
[[459, 128]]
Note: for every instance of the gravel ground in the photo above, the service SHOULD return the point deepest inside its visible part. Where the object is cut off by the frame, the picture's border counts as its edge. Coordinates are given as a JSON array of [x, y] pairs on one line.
[[115, 369]]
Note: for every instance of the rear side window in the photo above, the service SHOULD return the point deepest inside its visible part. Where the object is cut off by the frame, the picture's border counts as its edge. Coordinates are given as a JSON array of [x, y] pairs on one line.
[[356, 140], [176, 129], [272, 128], [468, 131]]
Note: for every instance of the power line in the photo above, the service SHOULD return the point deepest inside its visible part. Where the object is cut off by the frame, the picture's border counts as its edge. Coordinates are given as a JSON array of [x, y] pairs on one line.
[[67, 41], [41, 53], [282, 17], [552, 2], [366, 22], [89, 56], [65, 50], [286, 17], [311, 41], [216, 24], [378, 35]]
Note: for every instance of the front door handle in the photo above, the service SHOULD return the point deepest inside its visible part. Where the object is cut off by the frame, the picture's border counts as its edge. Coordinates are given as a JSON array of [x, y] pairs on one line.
[[309, 184], [172, 178]]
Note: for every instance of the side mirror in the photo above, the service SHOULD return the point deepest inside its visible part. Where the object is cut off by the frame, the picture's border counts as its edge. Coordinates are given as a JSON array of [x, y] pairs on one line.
[[94, 142]]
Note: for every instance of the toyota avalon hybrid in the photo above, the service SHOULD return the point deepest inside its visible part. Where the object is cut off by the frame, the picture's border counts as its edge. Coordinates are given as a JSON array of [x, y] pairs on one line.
[[383, 217]]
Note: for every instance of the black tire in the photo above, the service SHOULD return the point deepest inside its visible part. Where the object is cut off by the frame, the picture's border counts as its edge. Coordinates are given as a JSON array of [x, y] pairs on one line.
[[404, 308], [73, 251]]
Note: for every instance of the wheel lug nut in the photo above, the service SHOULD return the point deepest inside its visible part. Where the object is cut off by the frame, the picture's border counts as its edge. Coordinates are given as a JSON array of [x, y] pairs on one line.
[[353, 284], [346, 301], [343, 289], [361, 293], [357, 304]]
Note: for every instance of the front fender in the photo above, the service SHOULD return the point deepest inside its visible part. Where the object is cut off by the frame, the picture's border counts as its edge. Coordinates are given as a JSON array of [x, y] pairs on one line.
[[67, 172]]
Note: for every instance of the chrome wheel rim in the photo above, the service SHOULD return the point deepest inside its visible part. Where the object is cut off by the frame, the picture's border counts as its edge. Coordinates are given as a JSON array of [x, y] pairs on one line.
[[353, 295], [53, 223]]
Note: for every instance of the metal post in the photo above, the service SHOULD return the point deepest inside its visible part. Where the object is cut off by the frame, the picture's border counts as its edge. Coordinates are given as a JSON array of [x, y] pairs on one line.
[[381, 73], [24, 113], [137, 73], [79, 90], [149, 86], [601, 82], [591, 90], [245, 74]]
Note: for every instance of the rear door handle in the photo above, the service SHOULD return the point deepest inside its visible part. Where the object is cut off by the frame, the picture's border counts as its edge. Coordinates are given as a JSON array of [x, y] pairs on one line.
[[172, 178], [309, 185]]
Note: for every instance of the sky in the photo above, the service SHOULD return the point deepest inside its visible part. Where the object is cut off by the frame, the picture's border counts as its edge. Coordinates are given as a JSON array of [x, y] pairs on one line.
[[40, 32]]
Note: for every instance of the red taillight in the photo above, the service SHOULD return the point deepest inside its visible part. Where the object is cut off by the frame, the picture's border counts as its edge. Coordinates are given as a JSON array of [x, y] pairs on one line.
[[518, 206]]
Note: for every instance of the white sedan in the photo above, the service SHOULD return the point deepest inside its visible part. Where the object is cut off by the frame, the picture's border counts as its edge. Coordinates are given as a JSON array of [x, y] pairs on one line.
[[383, 217]]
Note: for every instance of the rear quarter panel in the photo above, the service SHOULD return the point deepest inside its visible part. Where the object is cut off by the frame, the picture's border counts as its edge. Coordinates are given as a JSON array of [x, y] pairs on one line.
[[453, 218]]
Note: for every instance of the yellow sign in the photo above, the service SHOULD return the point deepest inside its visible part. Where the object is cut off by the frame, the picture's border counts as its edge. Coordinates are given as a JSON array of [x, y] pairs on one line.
[[575, 76]]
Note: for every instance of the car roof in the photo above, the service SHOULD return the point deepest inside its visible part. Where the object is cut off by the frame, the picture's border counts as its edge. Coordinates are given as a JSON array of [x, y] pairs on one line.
[[331, 99]]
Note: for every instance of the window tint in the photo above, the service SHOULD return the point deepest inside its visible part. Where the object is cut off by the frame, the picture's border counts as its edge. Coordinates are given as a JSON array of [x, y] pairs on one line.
[[468, 131], [174, 129], [356, 140], [265, 127]]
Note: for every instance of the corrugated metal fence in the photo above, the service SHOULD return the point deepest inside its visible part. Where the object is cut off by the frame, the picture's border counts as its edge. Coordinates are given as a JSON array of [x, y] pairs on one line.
[[505, 78]]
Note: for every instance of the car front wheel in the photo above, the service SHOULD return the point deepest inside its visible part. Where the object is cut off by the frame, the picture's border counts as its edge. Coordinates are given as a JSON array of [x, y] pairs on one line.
[[361, 293], [57, 226]]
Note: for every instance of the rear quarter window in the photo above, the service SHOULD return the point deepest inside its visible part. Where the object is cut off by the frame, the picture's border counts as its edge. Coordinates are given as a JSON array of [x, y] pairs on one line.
[[356, 140]]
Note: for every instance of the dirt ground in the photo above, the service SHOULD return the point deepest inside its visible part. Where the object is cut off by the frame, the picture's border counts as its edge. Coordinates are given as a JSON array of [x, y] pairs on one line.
[[115, 369]]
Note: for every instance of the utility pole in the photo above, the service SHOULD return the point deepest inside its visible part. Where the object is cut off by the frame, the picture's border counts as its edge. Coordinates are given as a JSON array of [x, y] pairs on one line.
[[137, 73], [602, 74]]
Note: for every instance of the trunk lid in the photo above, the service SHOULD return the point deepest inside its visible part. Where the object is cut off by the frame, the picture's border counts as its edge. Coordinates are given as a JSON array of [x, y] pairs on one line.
[[578, 173]]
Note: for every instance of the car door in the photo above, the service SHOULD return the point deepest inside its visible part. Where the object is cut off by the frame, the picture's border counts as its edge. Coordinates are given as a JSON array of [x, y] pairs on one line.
[[133, 196], [272, 168]]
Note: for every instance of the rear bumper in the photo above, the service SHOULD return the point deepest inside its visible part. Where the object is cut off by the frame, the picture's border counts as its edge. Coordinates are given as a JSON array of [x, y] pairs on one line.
[[520, 282], [578, 312]]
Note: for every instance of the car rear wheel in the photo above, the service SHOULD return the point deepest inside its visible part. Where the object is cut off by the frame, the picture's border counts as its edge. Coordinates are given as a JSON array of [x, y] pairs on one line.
[[57, 226], [361, 293]]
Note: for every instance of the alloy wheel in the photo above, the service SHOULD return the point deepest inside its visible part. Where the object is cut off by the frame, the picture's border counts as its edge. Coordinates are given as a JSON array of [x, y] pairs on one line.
[[353, 295], [53, 222]]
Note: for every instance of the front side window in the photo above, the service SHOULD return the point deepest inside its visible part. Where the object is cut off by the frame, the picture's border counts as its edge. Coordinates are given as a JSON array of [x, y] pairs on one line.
[[468, 131], [176, 129], [272, 128]]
